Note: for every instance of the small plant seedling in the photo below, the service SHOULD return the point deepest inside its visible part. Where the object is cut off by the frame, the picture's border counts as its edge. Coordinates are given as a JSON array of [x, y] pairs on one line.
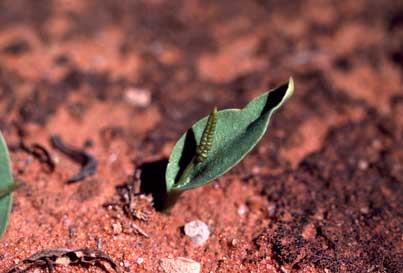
[[216, 143], [7, 186]]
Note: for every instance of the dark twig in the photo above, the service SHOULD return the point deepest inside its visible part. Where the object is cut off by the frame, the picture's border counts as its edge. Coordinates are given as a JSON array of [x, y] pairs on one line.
[[40, 153], [88, 162]]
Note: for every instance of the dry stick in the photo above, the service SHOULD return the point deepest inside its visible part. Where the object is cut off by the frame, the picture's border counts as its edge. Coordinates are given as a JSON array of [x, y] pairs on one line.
[[61, 256]]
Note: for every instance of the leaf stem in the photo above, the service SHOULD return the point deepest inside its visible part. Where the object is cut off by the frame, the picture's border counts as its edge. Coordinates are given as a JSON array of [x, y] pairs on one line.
[[8, 189], [184, 178], [170, 200]]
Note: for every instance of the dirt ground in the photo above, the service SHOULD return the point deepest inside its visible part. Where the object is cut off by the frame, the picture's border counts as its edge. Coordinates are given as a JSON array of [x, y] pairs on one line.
[[122, 80]]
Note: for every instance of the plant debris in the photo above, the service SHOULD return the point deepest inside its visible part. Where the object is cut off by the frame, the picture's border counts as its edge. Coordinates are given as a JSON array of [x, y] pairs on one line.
[[138, 230], [37, 150], [87, 161], [60, 256], [134, 204], [129, 199]]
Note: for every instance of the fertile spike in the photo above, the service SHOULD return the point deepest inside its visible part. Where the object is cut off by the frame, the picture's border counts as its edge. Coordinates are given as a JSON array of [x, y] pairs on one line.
[[207, 138]]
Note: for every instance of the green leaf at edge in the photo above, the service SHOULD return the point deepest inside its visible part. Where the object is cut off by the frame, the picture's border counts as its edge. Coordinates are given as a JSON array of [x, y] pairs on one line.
[[6, 181], [237, 132]]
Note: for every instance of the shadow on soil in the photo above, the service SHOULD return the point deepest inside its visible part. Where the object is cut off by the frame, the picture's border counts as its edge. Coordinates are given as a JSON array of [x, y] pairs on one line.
[[153, 173], [153, 181]]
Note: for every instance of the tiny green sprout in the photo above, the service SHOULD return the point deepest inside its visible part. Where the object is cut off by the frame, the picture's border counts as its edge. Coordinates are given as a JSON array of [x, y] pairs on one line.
[[7, 186], [216, 143]]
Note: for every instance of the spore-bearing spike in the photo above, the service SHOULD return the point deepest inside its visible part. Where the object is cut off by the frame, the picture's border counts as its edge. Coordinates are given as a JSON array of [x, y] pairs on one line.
[[206, 140], [202, 149]]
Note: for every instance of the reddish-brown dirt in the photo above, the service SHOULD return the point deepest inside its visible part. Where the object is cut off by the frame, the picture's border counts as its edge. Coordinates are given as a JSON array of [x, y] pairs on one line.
[[323, 190]]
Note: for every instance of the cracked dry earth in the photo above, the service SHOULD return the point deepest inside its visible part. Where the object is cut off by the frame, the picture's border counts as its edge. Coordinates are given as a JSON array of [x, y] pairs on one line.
[[122, 80]]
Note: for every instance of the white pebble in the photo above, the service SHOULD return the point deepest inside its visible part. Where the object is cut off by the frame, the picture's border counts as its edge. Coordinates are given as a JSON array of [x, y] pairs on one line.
[[138, 97], [198, 231], [242, 209], [117, 228]]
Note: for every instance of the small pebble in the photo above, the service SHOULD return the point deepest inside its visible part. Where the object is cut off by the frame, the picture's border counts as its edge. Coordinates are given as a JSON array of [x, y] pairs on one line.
[[99, 243], [198, 231], [179, 265], [364, 210], [242, 209], [309, 232], [271, 210], [126, 264], [72, 232], [284, 269], [112, 158], [138, 97], [117, 228], [363, 165], [256, 170], [140, 260]]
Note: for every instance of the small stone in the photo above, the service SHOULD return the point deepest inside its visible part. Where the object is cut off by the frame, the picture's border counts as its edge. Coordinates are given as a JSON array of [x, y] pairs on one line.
[[364, 210], [138, 97], [271, 210], [99, 243], [72, 232], [112, 158], [179, 265], [117, 228], [140, 260], [284, 269], [309, 232], [256, 170], [216, 186], [198, 231], [126, 264], [242, 209], [67, 222], [363, 165]]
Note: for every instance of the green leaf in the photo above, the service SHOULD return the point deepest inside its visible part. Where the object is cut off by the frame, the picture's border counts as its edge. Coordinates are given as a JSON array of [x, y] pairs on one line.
[[6, 186], [237, 132]]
